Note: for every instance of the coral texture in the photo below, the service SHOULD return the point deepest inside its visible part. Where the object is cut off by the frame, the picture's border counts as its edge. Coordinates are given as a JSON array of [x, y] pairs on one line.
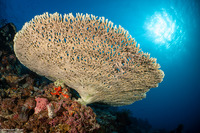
[[101, 62]]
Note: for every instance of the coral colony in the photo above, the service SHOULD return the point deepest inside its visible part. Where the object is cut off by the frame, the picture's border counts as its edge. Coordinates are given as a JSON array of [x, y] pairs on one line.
[[101, 62], [88, 59]]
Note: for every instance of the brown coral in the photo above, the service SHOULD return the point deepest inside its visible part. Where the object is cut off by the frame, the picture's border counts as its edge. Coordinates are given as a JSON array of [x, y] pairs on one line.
[[101, 62]]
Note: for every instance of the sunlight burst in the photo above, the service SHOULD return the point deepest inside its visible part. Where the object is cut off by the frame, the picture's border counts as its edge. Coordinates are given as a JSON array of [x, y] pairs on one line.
[[161, 27]]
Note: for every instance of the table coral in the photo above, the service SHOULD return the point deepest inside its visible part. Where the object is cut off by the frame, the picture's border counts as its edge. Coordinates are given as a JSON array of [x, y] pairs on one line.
[[101, 62]]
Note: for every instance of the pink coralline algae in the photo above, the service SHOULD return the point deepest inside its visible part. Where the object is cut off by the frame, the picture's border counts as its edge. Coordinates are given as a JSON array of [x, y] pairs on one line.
[[41, 104]]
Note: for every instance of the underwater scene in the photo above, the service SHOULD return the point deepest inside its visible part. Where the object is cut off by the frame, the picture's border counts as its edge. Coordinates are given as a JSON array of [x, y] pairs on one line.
[[99, 66]]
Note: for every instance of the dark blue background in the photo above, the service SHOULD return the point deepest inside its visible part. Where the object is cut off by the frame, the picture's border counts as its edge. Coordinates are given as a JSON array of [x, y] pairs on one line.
[[177, 99]]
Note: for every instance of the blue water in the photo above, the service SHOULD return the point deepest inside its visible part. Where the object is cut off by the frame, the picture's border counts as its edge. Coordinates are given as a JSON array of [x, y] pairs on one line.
[[167, 29]]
